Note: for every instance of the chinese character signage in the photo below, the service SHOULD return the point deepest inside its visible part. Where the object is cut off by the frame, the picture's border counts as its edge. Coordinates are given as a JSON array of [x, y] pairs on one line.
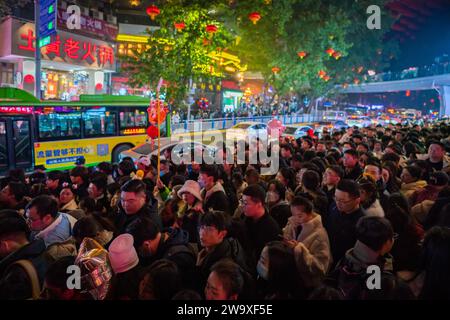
[[21, 110], [90, 26], [64, 153], [64, 47]]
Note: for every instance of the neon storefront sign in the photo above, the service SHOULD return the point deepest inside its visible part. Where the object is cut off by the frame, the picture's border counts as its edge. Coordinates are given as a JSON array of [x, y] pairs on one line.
[[20, 110]]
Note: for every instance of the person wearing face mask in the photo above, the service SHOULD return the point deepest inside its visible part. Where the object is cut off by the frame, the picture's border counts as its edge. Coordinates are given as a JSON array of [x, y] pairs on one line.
[[278, 206], [165, 174], [278, 277], [152, 244], [305, 233]]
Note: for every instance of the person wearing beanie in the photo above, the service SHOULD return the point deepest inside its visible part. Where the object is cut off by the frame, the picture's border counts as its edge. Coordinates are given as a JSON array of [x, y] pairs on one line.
[[124, 262]]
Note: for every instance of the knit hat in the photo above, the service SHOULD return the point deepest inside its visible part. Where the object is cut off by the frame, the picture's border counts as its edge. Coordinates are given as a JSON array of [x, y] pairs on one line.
[[122, 254], [192, 187], [439, 179]]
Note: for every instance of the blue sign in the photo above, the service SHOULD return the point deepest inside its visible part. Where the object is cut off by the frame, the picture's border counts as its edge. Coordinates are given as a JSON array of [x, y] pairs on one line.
[[327, 104], [47, 22]]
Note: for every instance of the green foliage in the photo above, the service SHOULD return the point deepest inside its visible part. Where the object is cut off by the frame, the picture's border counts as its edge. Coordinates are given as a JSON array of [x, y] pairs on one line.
[[286, 27], [184, 56], [6, 6]]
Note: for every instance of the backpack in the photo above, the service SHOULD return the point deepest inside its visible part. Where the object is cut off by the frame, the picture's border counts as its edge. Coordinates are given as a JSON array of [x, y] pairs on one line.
[[31, 272]]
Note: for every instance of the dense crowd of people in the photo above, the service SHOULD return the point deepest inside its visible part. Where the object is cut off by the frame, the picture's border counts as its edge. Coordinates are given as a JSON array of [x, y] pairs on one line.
[[375, 196]]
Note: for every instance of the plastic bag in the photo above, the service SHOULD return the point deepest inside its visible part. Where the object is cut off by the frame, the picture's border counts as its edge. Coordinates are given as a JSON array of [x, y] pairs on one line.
[[96, 271]]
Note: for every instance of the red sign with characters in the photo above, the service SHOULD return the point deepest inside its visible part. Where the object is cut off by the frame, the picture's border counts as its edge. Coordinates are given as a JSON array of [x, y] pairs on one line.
[[65, 47], [21, 110]]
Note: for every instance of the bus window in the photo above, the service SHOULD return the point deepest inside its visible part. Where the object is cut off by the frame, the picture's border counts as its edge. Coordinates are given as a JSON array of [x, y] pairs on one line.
[[133, 119], [98, 123], [59, 125]]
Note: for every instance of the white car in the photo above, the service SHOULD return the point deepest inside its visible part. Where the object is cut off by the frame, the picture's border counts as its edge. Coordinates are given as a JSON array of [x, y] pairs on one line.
[[295, 132], [247, 131], [181, 149]]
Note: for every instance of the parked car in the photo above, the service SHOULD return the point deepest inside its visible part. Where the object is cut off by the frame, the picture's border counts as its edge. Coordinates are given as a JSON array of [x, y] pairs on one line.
[[179, 150], [295, 132], [247, 130]]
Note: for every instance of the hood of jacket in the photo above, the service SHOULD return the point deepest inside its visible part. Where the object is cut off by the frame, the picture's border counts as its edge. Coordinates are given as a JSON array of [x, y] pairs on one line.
[[360, 257], [216, 188], [419, 184], [176, 237], [58, 231]]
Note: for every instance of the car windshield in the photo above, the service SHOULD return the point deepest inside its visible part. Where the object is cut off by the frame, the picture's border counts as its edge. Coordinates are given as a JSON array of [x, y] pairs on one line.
[[290, 130], [241, 126], [144, 149]]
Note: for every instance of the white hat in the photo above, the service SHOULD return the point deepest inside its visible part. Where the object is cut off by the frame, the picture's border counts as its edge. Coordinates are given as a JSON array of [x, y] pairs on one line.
[[145, 161], [192, 187], [122, 254]]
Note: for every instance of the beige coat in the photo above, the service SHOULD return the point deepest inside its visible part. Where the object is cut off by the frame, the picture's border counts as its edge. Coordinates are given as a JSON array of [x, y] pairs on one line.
[[312, 253], [408, 189]]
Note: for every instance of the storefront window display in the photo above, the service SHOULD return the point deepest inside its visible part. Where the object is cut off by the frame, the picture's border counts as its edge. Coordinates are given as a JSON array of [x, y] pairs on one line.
[[66, 86]]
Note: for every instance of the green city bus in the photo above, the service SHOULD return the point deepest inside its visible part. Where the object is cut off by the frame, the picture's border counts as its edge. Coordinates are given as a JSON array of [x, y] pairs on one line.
[[56, 133]]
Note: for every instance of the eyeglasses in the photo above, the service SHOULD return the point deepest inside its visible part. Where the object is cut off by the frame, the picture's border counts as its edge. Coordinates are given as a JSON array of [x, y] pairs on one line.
[[344, 201]]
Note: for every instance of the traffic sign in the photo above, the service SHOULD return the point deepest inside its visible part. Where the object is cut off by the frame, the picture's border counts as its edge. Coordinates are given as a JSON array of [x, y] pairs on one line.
[[47, 20]]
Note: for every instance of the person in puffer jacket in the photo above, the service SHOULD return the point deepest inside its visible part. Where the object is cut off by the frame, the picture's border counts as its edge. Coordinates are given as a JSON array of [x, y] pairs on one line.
[[47, 223], [305, 233]]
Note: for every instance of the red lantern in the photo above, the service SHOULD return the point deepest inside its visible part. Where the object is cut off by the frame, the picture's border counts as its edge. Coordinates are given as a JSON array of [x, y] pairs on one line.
[[28, 78], [408, 93], [98, 86], [337, 55], [275, 70], [330, 51], [326, 78], [254, 17], [180, 26], [322, 74], [302, 54], [152, 132], [153, 11], [211, 29]]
